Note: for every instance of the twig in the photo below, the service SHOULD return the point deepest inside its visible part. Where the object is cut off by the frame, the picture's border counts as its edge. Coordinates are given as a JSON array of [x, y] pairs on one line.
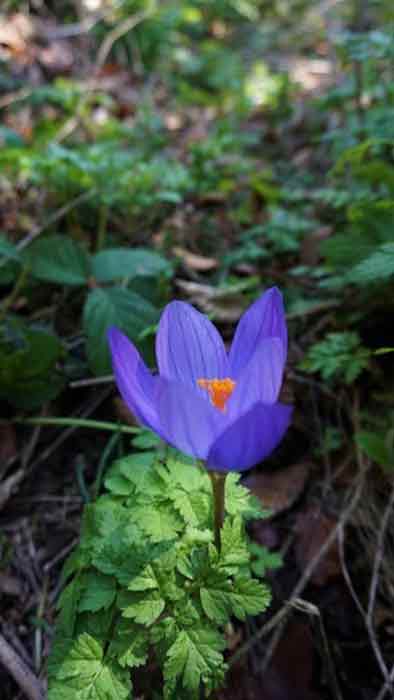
[[120, 30], [56, 216], [280, 616], [386, 686], [314, 611], [17, 668], [91, 381]]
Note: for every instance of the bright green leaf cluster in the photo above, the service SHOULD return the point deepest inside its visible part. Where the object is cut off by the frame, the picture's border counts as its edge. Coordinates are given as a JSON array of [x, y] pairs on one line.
[[146, 575], [338, 356]]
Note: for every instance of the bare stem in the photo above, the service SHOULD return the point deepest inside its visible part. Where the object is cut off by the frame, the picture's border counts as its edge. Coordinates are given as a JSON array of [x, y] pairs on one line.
[[218, 480]]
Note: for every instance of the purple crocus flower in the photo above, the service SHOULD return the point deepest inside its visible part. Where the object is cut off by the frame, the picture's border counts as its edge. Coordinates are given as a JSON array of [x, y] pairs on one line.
[[216, 406]]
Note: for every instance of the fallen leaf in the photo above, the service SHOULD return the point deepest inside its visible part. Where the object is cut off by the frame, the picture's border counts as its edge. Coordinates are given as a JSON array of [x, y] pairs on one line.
[[225, 305], [278, 490], [312, 529], [194, 261]]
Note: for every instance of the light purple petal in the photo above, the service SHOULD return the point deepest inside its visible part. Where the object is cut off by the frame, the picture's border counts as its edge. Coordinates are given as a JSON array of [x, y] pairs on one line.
[[188, 346], [189, 422], [260, 380], [250, 439], [134, 381], [264, 319]]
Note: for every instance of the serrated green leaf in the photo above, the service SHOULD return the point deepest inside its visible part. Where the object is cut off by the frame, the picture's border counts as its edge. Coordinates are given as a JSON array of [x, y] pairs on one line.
[[117, 263], [58, 259], [239, 500], [118, 484], [375, 268], [194, 656], [146, 581], [68, 604], [130, 644], [97, 624], [189, 476], [143, 609], [216, 602], [140, 470], [113, 306], [159, 522], [249, 597], [234, 551], [86, 672], [146, 440], [263, 560], [193, 507], [99, 592]]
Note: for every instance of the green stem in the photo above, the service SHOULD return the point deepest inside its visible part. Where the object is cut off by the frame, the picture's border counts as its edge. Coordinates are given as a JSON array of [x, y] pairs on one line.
[[218, 480], [19, 284], [79, 423], [103, 463], [102, 227]]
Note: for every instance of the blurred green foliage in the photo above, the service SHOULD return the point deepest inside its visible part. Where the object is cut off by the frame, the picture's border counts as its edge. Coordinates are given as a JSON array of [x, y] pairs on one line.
[[208, 138]]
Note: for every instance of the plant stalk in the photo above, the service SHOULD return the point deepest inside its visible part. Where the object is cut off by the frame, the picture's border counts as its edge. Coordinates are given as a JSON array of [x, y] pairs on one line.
[[79, 423], [218, 480]]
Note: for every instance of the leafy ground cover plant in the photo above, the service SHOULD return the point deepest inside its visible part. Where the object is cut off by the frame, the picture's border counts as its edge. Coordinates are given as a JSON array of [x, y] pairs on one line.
[[146, 585]]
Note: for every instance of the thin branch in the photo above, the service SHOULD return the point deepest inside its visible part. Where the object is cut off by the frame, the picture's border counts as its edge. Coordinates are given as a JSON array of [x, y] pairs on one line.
[[281, 615], [17, 668]]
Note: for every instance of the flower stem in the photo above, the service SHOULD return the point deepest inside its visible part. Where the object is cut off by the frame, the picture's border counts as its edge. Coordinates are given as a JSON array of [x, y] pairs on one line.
[[218, 480]]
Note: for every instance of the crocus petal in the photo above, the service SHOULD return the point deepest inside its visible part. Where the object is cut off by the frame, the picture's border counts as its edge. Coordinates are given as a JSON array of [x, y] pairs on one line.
[[189, 422], [260, 380], [188, 346], [264, 319], [250, 439], [134, 381]]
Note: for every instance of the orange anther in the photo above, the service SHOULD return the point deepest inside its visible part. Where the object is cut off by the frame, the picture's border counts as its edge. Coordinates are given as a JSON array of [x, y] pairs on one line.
[[219, 390]]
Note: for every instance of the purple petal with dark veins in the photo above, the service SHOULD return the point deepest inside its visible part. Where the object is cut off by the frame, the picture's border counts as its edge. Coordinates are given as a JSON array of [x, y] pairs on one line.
[[134, 381], [250, 439], [188, 346], [264, 319], [189, 422]]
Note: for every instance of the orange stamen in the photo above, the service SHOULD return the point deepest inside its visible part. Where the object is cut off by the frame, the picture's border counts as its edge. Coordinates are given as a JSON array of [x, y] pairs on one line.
[[219, 390]]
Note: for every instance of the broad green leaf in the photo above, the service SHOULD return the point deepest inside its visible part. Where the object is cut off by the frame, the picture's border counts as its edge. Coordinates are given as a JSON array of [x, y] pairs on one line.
[[58, 259], [99, 592], [117, 263], [114, 306], [375, 446], [28, 359], [8, 250]]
